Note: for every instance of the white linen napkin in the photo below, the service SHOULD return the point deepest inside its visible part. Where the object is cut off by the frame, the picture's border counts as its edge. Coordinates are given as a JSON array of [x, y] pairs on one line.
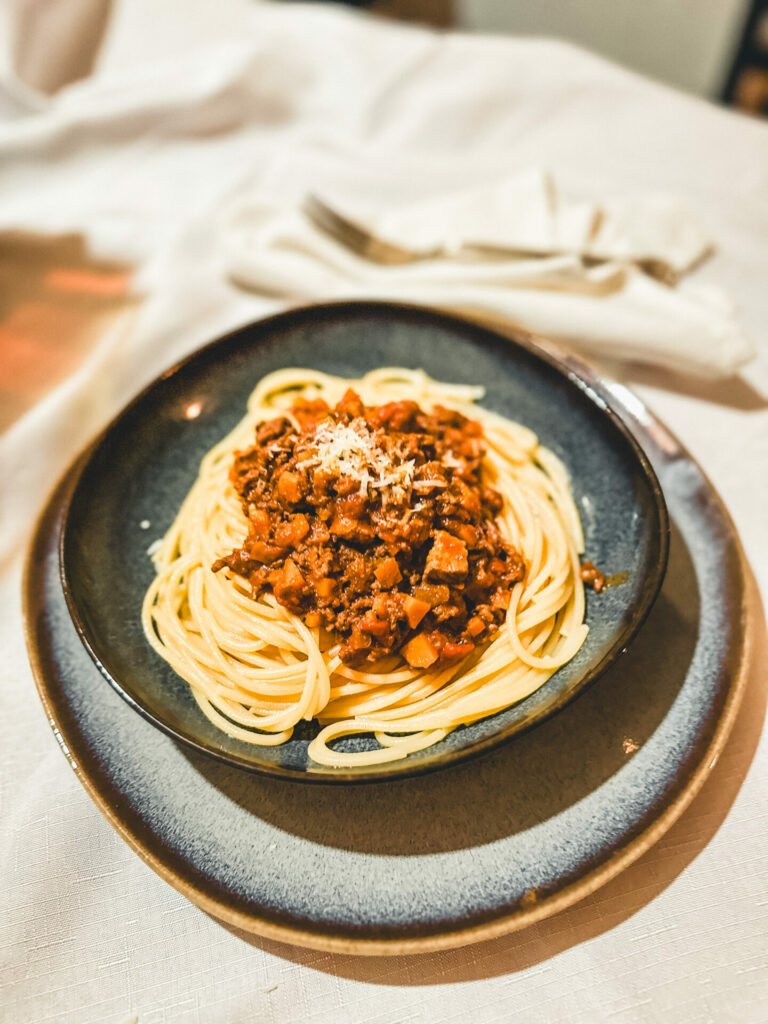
[[612, 309], [529, 213]]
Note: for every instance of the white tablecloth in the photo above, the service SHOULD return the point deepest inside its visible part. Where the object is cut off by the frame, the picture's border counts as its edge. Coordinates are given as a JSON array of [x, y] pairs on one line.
[[88, 933]]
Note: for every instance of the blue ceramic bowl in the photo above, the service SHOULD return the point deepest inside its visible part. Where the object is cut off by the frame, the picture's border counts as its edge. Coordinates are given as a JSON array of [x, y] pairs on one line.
[[143, 464]]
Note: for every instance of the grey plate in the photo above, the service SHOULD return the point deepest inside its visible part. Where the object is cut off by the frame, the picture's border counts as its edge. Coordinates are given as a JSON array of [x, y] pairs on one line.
[[452, 856], [143, 465]]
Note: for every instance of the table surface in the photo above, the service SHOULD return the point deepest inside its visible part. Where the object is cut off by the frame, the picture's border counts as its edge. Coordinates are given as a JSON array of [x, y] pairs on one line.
[[88, 933]]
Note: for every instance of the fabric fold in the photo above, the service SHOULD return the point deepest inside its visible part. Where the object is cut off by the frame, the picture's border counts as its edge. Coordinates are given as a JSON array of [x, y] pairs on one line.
[[612, 309]]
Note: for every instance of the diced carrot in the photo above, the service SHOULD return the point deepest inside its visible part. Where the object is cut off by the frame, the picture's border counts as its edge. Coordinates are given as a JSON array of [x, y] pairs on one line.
[[471, 448], [358, 641], [467, 533], [352, 529], [259, 521], [341, 526], [475, 626], [292, 573], [353, 504], [370, 623], [325, 588], [300, 525], [346, 487], [420, 652], [263, 552], [284, 535], [312, 619], [388, 573], [290, 583], [288, 487], [381, 605], [415, 610], [292, 532]]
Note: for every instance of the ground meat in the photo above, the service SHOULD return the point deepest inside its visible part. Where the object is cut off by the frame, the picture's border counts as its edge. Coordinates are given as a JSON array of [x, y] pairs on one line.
[[592, 577], [375, 523]]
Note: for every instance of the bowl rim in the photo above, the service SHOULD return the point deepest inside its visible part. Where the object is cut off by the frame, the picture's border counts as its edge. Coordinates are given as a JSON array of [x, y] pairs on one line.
[[574, 371]]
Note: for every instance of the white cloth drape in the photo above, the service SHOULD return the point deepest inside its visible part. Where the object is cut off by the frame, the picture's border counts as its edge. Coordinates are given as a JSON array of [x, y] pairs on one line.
[[186, 115]]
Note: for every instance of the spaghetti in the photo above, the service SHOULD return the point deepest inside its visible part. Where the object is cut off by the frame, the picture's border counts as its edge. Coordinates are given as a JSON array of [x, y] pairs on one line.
[[258, 662]]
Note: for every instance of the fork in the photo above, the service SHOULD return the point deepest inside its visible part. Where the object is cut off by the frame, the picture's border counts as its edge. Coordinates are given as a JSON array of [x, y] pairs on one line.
[[357, 238], [363, 242]]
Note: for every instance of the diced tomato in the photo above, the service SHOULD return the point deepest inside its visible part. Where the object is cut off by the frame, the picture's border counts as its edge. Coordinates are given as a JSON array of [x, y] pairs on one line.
[[351, 404], [293, 577], [308, 411], [397, 415], [346, 486], [452, 651]]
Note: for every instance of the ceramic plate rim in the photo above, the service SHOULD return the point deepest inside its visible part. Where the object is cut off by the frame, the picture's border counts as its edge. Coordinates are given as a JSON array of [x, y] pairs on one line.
[[522, 916], [399, 769]]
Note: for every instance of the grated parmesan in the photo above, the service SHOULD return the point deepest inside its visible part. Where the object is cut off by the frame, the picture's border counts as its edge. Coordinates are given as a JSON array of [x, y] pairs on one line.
[[449, 459], [351, 450]]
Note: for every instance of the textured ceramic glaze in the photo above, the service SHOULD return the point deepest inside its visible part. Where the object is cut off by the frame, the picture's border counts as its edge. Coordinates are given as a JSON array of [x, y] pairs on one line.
[[139, 472], [449, 856]]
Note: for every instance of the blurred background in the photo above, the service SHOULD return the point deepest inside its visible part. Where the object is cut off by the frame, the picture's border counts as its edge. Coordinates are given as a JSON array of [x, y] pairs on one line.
[[714, 49], [717, 49]]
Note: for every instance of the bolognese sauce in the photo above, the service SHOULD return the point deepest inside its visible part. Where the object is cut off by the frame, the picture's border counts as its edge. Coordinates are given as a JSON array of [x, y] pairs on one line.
[[374, 522]]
